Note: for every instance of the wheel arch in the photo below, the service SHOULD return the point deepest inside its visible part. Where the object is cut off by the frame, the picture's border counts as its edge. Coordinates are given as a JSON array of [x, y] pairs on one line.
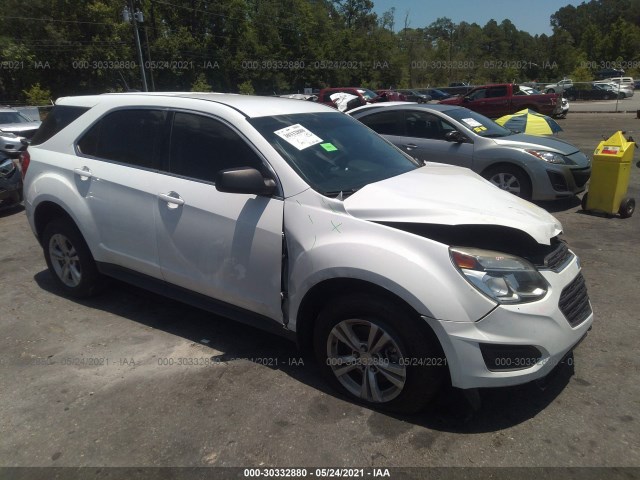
[[45, 212], [318, 295]]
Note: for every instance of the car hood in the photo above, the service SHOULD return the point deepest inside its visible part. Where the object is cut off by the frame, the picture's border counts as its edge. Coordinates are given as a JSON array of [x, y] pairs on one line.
[[523, 140], [448, 195]]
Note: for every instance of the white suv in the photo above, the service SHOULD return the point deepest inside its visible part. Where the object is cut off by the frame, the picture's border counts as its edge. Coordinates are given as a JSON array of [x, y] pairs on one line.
[[292, 215]]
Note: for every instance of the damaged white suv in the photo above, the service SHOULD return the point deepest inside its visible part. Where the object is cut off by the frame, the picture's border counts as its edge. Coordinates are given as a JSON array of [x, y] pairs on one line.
[[291, 215]]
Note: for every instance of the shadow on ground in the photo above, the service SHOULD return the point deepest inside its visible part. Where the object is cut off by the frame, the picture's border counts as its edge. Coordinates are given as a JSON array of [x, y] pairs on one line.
[[450, 411]]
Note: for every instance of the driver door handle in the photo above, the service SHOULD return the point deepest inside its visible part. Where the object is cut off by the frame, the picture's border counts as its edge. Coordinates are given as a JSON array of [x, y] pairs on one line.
[[83, 172], [170, 199]]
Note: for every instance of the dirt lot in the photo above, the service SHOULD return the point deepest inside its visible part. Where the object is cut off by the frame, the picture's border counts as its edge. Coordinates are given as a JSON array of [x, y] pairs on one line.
[[91, 383]]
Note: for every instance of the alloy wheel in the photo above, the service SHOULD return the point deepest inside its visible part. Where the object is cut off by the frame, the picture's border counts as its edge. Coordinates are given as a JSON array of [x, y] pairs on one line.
[[65, 260], [366, 360], [506, 181]]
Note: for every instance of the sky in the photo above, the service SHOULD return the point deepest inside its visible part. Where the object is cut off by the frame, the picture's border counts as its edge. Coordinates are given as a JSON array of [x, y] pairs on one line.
[[531, 16]]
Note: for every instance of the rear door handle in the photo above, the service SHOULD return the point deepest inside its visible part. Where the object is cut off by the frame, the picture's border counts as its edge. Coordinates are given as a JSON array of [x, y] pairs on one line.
[[410, 146], [172, 198], [83, 172]]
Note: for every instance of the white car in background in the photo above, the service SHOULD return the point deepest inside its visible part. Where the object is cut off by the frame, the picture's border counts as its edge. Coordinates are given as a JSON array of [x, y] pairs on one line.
[[625, 89], [294, 217]]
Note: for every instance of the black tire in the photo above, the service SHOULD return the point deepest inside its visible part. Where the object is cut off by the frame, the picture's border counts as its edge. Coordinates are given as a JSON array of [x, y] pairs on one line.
[[401, 364], [627, 207], [571, 98], [606, 96], [511, 179], [69, 259], [583, 202]]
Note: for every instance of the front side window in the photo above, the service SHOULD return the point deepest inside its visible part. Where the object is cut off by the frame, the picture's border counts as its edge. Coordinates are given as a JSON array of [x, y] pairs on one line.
[[426, 125], [201, 146], [333, 152], [133, 136]]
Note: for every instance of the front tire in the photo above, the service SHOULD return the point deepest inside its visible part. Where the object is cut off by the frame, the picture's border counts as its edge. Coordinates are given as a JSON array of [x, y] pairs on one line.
[[375, 353], [69, 259], [511, 179]]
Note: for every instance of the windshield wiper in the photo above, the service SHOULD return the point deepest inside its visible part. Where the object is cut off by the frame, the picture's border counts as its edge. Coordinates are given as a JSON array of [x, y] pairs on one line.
[[340, 194]]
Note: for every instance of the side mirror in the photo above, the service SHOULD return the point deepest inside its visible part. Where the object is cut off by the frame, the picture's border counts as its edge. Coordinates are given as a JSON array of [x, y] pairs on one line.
[[244, 180], [454, 136]]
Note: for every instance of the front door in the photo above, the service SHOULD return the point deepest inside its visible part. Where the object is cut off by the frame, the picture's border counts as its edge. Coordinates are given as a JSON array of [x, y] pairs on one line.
[[226, 246]]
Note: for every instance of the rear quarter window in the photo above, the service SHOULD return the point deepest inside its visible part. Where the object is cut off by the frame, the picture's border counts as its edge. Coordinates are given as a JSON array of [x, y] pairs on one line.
[[57, 119]]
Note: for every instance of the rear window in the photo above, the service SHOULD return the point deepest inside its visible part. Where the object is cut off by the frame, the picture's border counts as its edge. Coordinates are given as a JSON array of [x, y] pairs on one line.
[[59, 117]]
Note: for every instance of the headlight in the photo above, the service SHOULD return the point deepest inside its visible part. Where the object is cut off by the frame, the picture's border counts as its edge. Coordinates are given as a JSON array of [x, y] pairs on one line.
[[502, 277], [550, 157], [7, 167]]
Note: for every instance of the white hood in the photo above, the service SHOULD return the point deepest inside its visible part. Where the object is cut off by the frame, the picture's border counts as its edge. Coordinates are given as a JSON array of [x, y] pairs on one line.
[[448, 195]]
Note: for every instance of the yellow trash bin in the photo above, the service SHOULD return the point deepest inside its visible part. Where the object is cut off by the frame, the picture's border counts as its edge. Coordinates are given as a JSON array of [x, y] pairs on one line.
[[610, 172]]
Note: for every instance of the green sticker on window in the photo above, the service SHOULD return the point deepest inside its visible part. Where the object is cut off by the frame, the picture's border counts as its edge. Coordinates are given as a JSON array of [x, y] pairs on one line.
[[329, 147]]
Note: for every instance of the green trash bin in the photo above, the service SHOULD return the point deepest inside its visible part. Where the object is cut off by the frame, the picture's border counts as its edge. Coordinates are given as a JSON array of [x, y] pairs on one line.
[[610, 173]]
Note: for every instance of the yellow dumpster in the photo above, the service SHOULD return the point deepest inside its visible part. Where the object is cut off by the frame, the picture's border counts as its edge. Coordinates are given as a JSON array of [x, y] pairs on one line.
[[610, 177]]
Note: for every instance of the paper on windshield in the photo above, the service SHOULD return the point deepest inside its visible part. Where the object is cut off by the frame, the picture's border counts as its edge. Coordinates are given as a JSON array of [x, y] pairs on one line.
[[298, 136], [472, 122]]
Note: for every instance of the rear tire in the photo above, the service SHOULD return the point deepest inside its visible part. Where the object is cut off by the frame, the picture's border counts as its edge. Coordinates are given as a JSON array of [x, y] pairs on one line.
[[511, 179], [69, 259], [375, 353]]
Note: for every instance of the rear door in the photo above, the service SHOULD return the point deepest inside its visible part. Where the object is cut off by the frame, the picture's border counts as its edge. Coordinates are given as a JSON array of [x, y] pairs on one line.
[[226, 246], [115, 171]]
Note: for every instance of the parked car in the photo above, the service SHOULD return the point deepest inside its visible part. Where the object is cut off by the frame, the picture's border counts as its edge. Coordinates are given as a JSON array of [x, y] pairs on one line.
[[562, 112], [415, 96], [292, 216], [532, 167], [363, 96], [390, 96], [626, 90], [12, 121], [589, 91], [628, 81], [559, 87], [434, 93], [10, 182], [503, 99]]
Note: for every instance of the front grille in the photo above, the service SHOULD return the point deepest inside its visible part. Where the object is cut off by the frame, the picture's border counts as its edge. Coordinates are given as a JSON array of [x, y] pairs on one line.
[[574, 301], [558, 258], [581, 176]]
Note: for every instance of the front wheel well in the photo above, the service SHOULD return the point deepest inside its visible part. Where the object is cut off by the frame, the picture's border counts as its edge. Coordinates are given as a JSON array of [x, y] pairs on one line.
[[47, 212], [322, 293]]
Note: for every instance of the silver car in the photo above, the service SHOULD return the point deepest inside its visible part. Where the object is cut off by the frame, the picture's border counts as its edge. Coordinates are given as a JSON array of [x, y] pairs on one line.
[[532, 167], [12, 121]]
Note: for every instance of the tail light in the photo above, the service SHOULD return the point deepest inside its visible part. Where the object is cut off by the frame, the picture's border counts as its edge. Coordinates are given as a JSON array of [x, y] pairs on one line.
[[25, 160]]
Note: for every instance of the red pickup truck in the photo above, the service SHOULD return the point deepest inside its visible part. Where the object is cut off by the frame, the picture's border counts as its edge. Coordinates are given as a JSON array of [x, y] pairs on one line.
[[502, 99]]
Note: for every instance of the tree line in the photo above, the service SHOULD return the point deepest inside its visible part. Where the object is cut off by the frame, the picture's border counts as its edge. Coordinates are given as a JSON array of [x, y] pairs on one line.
[[51, 48]]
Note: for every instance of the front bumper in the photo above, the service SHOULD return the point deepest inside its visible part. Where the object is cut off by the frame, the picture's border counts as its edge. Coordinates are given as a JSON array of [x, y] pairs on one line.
[[540, 325], [553, 181]]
